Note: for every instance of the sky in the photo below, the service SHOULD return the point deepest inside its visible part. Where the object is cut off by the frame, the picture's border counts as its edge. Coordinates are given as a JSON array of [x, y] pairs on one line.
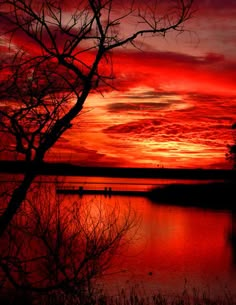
[[173, 102]]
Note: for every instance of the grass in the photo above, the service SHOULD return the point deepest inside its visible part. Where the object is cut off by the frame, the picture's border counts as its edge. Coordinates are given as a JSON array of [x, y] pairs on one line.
[[123, 297]]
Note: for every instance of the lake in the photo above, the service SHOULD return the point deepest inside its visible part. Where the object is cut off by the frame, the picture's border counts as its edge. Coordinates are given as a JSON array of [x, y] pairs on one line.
[[172, 247], [173, 244]]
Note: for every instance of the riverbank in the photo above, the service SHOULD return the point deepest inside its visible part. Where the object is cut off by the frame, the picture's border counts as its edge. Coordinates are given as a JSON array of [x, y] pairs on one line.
[[66, 169], [214, 195]]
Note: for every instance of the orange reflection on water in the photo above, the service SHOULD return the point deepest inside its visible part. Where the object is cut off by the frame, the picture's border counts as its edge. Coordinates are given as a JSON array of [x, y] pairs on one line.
[[165, 246], [173, 244]]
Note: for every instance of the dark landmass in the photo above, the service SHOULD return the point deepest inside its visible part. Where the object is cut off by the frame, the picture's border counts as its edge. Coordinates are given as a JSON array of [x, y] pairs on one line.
[[215, 195], [212, 195], [63, 169], [219, 194]]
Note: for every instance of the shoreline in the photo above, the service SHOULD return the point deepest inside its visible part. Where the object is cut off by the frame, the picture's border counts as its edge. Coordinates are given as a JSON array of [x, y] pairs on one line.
[[66, 169], [213, 195]]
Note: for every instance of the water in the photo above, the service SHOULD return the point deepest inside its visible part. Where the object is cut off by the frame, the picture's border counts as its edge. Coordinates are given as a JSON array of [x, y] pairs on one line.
[[134, 184], [172, 245]]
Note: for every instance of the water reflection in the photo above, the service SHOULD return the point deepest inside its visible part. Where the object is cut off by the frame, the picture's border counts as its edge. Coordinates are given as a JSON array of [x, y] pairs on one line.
[[61, 245], [172, 244]]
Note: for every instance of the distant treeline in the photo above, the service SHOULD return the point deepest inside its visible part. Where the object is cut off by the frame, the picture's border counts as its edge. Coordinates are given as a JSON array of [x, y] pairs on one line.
[[66, 169]]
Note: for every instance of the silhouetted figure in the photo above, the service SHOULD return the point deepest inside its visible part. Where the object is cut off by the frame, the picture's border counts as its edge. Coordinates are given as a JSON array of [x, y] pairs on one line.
[[109, 191], [81, 191]]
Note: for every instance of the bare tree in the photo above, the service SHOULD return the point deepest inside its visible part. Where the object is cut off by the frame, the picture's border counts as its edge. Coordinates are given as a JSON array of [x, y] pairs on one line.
[[58, 247], [65, 54]]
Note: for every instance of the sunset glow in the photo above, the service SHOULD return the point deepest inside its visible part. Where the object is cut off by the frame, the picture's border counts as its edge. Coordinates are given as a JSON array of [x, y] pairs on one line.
[[171, 104], [118, 151], [175, 100]]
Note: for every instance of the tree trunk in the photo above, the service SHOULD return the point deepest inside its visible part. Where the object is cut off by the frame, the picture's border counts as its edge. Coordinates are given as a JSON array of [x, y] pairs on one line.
[[18, 196], [58, 129]]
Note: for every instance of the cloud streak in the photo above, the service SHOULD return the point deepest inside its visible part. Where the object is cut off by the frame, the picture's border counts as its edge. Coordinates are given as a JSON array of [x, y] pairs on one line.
[[174, 102]]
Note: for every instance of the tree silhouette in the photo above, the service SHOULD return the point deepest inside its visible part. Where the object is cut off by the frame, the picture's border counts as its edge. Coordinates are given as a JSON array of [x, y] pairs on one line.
[[57, 247], [231, 148], [53, 57]]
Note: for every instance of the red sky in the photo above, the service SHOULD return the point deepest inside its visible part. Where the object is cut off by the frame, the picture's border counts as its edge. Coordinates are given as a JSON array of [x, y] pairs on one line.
[[175, 100], [175, 103]]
